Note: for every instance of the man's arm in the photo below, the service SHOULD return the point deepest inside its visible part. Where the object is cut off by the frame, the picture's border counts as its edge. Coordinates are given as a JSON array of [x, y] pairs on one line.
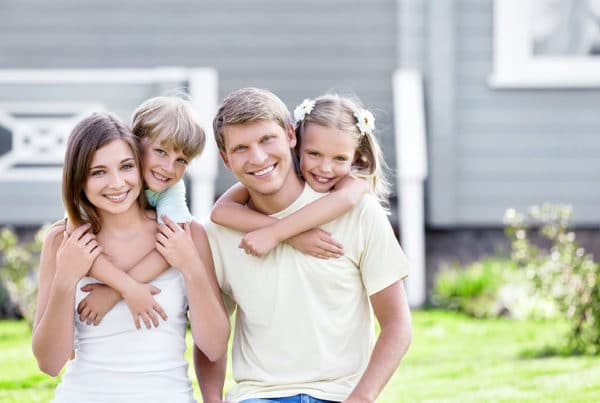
[[391, 309], [210, 375]]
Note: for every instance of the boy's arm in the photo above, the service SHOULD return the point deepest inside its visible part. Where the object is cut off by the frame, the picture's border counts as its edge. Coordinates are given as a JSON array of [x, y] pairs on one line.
[[230, 211], [137, 295], [344, 197], [391, 309]]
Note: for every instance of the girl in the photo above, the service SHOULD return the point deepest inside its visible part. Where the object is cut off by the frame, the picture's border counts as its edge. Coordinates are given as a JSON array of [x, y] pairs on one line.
[[114, 361], [338, 153]]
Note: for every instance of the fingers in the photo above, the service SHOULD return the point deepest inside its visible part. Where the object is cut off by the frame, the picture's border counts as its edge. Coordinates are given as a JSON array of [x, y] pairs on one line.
[[160, 311], [170, 223], [153, 318], [98, 319], [136, 321], [79, 231]]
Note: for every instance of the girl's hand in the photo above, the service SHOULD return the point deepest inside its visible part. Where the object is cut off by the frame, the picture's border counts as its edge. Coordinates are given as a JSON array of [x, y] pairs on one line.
[[176, 244], [97, 303], [76, 253], [259, 242], [318, 243], [138, 298]]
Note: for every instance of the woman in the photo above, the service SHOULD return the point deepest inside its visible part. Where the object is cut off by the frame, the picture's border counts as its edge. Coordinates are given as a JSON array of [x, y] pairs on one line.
[[114, 361]]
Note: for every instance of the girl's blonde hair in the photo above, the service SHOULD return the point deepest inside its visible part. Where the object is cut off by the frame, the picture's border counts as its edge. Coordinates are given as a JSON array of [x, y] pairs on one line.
[[334, 111]]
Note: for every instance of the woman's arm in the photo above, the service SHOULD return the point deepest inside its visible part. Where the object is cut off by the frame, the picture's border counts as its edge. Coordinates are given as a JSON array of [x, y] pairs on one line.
[[345, 196], [63, 261], [188, 250]]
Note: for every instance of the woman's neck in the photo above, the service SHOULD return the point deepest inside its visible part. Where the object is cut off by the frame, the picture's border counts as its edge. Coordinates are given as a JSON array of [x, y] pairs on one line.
[[123, 224]]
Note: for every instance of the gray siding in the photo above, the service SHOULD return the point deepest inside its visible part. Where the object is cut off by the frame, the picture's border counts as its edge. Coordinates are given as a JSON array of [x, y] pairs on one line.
[[296, 49], [493, 149]]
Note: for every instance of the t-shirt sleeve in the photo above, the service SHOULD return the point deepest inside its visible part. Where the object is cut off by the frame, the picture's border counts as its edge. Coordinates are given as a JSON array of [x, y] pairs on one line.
[[172, 203], [382, 261]]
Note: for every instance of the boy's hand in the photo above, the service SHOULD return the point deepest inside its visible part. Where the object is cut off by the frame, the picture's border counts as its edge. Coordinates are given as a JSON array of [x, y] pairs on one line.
[[141, 304], [259, 242], [77, 252], [318, 243], [176, 244], [97, 303]]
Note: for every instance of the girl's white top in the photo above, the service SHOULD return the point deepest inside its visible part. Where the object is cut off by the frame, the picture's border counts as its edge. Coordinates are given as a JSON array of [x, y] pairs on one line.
[[115, 362]]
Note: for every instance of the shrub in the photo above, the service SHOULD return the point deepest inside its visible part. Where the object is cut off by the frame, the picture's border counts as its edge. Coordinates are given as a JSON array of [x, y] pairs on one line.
[[18, 269], [473, 289], [564, 273]]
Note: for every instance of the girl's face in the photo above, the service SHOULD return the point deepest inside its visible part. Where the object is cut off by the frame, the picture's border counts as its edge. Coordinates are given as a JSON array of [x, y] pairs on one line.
[[326, 156], [163, 166], [113, 180]]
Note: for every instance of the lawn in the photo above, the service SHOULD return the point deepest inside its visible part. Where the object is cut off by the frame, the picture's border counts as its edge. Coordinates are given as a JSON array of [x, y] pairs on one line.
[[453, 358]]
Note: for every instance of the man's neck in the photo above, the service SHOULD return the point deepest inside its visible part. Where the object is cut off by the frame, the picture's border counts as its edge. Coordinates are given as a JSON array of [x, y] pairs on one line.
[[274, 203]]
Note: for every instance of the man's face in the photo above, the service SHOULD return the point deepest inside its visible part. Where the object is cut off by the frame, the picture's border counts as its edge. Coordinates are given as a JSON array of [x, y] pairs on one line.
[[259, 155]]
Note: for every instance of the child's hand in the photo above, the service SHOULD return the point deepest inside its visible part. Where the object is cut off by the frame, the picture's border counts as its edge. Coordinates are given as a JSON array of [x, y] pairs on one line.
[[97, 303], [318, 243], [259, 242], [138, 298], [176, 244], [77, 252]]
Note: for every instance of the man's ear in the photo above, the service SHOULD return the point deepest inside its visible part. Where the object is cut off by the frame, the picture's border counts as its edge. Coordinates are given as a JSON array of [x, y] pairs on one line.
[[291, 133], [224, 158]]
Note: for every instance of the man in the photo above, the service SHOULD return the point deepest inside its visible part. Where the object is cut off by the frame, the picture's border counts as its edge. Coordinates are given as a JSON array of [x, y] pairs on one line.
[[303, 329]]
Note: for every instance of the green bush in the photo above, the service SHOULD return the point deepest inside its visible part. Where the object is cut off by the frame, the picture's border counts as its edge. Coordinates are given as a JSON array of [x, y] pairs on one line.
[[474, 289], [564, 273], [18, 269]]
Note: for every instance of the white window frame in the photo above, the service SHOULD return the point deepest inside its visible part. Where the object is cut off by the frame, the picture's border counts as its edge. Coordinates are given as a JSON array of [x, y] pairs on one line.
[[516, 67]]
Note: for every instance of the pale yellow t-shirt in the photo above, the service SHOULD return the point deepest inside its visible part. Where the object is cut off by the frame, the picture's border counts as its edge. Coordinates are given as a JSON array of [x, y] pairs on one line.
[[304, 325]]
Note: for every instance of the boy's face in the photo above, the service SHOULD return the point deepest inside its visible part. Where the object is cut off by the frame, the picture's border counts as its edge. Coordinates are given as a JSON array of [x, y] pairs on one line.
[[259, 155], [162, 166]]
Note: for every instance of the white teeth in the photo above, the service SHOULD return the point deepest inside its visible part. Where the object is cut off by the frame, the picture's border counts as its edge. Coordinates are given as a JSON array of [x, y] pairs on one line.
[[119, 197], [264, 171], [321, 179], [159, 176]]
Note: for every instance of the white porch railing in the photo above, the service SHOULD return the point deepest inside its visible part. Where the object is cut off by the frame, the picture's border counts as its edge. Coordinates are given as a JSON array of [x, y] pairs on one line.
[[411, 157]]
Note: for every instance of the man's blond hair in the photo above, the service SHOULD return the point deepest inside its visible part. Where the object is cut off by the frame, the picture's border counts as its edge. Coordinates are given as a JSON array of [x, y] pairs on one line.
[[248, 105], [173, 119]]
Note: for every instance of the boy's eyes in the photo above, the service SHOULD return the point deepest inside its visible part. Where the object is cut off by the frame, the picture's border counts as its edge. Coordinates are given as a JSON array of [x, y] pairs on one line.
[[341, 158], [160, 151], [314, 153], [182, 161]]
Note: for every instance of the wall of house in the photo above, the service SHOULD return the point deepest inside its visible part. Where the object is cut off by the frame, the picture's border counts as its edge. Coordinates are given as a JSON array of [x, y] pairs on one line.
[[296, 49], [491, 149]]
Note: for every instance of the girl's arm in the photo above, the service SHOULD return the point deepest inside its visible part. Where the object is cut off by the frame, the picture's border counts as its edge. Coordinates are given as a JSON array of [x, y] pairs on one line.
[[63, 261], [187, 249], [230, 211], [345, 196]]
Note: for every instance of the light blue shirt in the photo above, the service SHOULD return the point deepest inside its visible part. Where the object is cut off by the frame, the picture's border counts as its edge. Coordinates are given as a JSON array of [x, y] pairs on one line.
[[171, 203]]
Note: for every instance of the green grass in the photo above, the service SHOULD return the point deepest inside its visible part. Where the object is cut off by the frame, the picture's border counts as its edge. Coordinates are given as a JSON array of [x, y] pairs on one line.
[[453, 358]]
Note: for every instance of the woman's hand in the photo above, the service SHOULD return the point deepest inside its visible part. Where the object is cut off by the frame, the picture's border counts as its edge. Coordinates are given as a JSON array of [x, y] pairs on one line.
[[76, 253], [318, 243]]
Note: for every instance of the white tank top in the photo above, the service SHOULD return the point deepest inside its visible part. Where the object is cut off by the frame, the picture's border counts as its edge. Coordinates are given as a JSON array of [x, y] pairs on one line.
[[115, 362]]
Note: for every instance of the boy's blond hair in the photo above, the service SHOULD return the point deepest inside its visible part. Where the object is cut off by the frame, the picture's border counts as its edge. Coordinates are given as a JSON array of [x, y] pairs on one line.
[[248, 105], [173, 118]]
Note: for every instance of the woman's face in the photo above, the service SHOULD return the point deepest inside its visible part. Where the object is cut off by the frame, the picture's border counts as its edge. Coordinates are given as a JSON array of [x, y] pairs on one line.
[[113, 181]]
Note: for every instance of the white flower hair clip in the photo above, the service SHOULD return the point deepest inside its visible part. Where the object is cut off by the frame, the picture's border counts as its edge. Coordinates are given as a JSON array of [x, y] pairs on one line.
[[365, 121], [303, 109]]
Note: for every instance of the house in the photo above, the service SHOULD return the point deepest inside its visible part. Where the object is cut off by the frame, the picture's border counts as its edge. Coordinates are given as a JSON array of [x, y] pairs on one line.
[[505, 128]]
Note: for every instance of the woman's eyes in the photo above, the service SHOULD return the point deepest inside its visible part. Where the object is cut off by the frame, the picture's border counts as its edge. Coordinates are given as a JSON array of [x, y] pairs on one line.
[[97, 173], [128, 166]]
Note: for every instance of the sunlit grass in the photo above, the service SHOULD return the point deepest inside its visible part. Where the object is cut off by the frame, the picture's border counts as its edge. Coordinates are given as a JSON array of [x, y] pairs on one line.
[[453, 358]]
